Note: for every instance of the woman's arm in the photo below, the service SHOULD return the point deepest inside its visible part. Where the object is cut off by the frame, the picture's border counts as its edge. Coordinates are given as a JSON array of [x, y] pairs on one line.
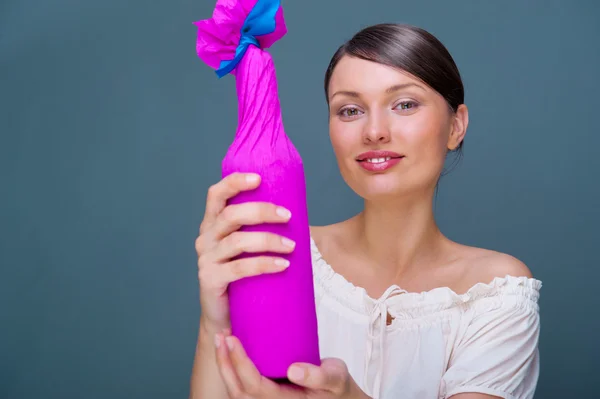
[[206, 381]]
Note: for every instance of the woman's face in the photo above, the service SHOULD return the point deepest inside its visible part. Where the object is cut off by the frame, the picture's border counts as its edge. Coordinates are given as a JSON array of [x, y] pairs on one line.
[[389, 130]]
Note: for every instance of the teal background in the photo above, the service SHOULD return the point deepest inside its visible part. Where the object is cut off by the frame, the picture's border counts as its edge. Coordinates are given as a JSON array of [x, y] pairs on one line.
[[112, 130]]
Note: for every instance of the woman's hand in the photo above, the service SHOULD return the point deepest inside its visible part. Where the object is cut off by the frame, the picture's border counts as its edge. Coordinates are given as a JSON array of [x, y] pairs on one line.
[[219, 242], [330, 380]]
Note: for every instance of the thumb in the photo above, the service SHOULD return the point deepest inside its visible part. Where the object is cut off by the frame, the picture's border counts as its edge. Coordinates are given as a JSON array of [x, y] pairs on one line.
[[332, 375]]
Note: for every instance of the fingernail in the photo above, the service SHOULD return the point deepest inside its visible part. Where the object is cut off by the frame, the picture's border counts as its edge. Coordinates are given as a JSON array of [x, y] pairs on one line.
[[252, 178], [282, 262], [217, 340], [296, 373], [284, 213], [288, 243], [229, 342]]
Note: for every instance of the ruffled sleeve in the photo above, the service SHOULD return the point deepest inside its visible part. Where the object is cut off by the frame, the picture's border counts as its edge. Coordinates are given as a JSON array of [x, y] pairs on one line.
[[497, 348]]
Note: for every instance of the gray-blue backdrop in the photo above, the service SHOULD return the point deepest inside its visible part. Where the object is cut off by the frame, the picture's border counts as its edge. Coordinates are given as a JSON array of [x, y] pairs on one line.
[[112, 129]]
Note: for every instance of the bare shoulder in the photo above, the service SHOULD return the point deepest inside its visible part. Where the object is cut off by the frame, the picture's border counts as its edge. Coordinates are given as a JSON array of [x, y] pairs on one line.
[[478, 265], [500, 264], [484, 265], [317, 231], [331, 239], [324, 235]]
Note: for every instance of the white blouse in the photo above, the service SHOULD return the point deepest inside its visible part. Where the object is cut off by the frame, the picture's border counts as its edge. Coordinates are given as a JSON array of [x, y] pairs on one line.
[[439, 343]]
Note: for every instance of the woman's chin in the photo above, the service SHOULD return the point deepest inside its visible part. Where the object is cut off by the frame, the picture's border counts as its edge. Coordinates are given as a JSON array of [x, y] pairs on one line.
[[387, 186], [385, 190], [378, 192]]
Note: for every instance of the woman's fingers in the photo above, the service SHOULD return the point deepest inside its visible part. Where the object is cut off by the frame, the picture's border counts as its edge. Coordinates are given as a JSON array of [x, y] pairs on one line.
[[228, 373], [219, 193], [250, 213], [251, 381], [251, 242], [221, 276]]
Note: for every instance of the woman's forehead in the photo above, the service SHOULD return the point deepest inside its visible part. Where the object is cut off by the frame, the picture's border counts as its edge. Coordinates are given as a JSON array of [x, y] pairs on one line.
[[357, 74]]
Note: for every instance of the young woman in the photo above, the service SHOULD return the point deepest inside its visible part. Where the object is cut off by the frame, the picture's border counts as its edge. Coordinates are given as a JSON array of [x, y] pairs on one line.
[[403, 311]]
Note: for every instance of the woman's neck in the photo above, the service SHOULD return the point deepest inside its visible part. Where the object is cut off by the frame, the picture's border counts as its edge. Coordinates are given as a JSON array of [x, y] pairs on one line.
[[398, 235]]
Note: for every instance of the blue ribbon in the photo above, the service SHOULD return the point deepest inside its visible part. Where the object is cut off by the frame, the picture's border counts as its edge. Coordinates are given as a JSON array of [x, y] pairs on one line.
[[260, 21]]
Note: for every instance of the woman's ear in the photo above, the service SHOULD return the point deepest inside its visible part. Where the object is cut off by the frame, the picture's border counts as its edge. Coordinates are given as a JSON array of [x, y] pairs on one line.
[[460, 121]]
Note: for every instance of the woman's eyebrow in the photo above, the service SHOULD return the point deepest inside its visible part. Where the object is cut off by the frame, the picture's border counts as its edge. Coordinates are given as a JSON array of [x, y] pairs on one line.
[[403, 86], [353, 94], [389, 90]]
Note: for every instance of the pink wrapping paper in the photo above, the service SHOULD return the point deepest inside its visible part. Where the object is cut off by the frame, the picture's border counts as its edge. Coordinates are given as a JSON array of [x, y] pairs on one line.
[[273, 315]]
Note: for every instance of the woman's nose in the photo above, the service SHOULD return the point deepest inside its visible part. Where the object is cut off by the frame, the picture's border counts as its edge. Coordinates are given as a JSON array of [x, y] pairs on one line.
[[376, 130]]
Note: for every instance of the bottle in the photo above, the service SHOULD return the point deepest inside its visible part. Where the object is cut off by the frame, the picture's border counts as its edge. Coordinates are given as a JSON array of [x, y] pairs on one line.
[[273, 315]]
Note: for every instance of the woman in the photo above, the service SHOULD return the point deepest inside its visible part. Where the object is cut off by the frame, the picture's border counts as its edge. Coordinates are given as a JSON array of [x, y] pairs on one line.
[[465, 323]]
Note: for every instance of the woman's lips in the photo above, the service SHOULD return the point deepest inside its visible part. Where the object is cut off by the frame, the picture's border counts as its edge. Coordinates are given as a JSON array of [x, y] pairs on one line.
[[379, 166], [377, 161]]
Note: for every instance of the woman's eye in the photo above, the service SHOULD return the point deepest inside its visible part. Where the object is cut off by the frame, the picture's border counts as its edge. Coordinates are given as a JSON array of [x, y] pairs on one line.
[[349, 112], [406, 105]]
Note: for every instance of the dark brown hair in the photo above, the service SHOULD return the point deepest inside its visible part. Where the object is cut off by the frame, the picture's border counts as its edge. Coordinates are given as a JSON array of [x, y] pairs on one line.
[[410, 49]]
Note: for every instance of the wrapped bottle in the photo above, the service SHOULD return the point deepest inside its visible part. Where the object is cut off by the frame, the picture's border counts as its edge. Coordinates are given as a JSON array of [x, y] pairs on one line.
[[273, 315]]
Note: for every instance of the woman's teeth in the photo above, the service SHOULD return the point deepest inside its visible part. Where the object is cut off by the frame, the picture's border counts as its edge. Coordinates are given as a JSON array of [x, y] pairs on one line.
[[377, 160]]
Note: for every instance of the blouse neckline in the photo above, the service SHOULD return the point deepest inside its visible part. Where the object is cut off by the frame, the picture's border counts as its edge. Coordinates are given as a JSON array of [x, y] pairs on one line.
[[399, 299]]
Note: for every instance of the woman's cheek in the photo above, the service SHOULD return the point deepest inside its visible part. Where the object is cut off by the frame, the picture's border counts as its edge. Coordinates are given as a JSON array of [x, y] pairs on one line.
[[422, 132]]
